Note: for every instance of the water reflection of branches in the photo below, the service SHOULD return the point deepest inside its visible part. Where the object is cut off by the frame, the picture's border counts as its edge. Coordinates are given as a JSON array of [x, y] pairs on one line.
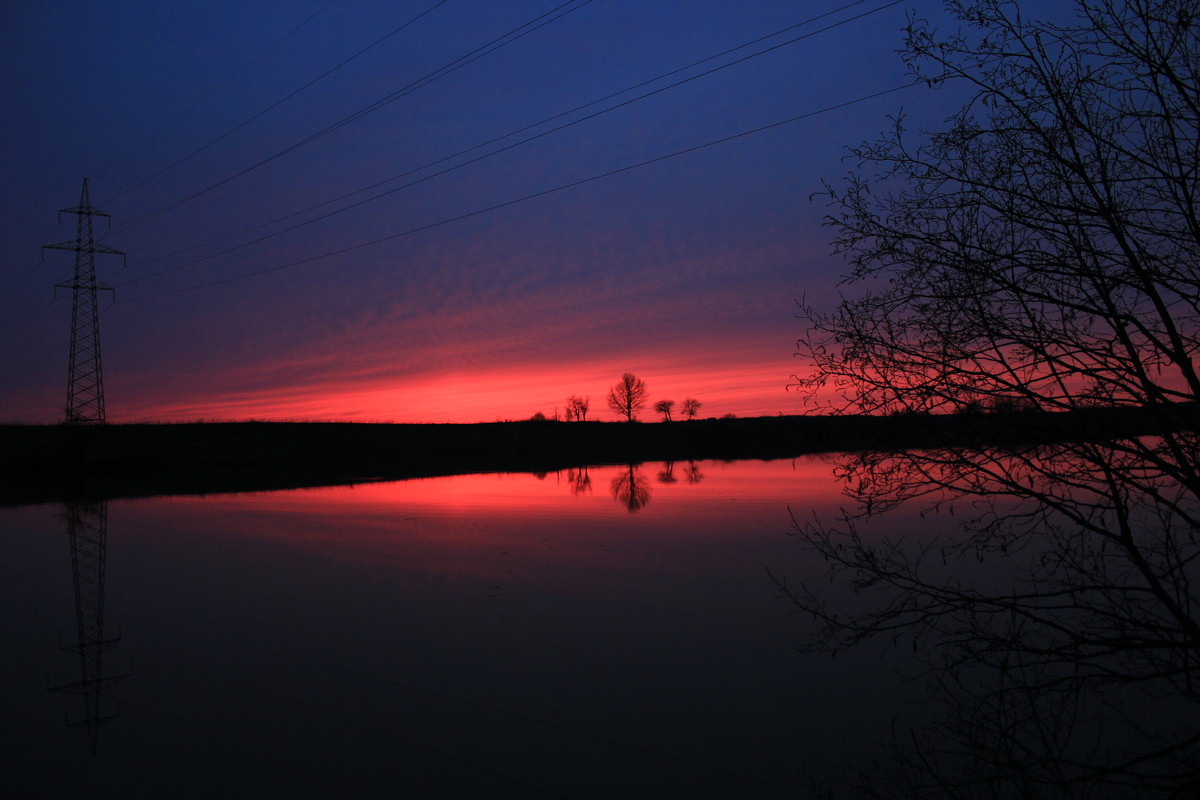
[[691, 473], [1059, 628], [631, 488], [1036, 254], [579, 481]]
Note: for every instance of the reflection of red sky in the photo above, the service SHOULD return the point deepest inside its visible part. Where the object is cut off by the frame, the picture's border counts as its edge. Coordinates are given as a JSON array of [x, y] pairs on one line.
[[526, 494], [516, 535], [805, 481], [473, 525]]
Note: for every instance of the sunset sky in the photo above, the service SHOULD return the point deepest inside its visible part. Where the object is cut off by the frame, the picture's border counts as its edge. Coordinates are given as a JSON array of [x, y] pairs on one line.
[[491, 291]]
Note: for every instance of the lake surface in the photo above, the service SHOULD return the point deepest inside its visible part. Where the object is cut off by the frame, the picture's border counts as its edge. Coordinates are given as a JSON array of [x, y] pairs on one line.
[[599, 632]]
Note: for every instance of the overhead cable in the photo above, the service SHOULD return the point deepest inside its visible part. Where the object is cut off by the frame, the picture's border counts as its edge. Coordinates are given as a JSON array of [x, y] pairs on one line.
[[212, 92], [506, 148], [528, 197], [458, 63]]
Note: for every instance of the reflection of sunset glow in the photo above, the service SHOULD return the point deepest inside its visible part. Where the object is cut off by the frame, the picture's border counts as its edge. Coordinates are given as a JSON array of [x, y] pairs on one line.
[[527, 586], [540, 529], [556, 493], [631, 489]]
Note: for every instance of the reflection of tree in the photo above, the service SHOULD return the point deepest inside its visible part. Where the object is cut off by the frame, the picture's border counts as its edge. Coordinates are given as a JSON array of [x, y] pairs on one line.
[[667, 473], [692, 473], [1042, 252], [579, 480], [631, 489], [1060, 626]]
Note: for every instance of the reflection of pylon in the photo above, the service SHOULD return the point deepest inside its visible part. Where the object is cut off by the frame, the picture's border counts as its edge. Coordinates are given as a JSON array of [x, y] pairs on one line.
[[85, 383], [87, 528]]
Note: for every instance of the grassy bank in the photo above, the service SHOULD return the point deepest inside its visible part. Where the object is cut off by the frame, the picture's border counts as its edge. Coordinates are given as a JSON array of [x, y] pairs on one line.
[[55, 462]]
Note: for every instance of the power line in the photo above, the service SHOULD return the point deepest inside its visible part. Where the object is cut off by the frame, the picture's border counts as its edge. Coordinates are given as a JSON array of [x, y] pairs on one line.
[[33, 348], [518, 131], [453, 66], [209, 94], [16, 337], [511, 146], [534, 195], [19, 278], [514, 35], [276, 104]]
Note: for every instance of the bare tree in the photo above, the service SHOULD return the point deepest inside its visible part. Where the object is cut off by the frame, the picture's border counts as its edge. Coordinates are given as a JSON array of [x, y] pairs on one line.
[[690, 407], [628, 396], [664, 407], [1041, 252], [1045, 246], [577, 408]]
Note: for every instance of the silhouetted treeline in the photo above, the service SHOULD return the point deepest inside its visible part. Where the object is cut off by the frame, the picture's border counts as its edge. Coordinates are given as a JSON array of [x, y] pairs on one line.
[[47, 463]]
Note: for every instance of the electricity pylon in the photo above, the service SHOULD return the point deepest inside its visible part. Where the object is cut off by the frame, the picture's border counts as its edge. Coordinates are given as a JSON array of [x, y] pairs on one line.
[[85, 381]]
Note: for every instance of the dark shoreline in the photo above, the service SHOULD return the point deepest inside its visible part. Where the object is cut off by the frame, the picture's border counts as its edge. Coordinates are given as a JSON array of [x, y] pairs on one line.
[[57, 463]]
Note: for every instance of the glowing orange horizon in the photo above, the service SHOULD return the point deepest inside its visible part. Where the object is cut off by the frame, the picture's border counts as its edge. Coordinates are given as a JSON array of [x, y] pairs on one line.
[[510, 393]]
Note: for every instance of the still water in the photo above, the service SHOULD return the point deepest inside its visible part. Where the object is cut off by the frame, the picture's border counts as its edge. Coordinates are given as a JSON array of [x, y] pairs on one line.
[[599, 632]]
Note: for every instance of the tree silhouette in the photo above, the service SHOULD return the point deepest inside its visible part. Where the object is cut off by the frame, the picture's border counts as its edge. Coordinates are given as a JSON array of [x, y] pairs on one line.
[[664, 407], [628, 396], [1042, 252], [1045, 246], [690, 407], [577, 408]]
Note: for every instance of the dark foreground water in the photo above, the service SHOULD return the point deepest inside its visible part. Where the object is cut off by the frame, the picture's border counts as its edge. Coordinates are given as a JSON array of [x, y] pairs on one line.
[[607, 632]]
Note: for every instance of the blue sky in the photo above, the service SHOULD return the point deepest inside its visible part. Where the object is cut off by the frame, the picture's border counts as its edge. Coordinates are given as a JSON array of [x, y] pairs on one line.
[[454, 299]]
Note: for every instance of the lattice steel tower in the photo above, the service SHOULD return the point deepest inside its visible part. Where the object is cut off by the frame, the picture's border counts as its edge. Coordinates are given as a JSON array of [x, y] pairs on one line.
[[85, 381]]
